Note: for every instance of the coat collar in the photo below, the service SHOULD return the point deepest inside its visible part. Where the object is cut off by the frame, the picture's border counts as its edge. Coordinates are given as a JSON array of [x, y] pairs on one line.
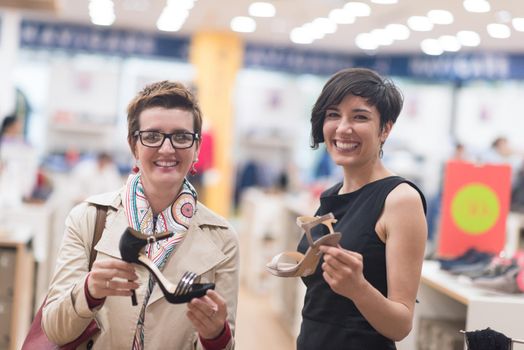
[[197, 252], [203, 216]]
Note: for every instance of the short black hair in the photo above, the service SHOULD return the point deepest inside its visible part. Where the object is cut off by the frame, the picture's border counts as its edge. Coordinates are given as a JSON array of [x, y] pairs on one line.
[[7, 122], [379, 92]]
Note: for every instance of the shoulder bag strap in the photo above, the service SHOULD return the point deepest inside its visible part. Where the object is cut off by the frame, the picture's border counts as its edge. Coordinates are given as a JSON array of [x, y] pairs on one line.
[[100, 223]]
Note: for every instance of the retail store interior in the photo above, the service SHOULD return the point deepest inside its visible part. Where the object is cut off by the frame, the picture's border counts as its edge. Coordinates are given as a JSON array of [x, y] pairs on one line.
[[66, 77]]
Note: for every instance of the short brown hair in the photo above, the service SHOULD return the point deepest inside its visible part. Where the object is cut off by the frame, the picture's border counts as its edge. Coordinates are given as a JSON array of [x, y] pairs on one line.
[[165, 94], [366, 83]]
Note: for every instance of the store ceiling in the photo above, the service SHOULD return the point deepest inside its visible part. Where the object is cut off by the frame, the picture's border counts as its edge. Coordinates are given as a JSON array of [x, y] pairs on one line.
[[215, 15]]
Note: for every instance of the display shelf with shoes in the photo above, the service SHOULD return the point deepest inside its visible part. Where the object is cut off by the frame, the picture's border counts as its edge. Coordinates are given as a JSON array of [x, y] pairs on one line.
[[443, 295]]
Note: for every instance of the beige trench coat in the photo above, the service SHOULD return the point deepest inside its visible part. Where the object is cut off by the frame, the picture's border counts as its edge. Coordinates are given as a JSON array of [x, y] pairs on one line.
[[210, 249]]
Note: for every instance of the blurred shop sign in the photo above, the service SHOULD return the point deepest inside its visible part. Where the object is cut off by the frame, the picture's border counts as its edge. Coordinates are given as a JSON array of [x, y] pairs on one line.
[[458, 67], [475, 206], [72, 37], [452, 67], [294, 60]]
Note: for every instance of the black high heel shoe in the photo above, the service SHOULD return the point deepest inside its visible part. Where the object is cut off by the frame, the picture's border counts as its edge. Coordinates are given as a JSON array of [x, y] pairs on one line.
[[131, 245]]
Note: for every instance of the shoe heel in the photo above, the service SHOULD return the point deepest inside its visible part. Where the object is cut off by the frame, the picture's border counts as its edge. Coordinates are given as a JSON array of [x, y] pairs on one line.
[[131, 244]]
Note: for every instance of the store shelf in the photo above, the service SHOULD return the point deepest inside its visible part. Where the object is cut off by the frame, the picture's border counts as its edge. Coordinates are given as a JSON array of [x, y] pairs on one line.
[[448, 298], [453, 287], [16, 287]]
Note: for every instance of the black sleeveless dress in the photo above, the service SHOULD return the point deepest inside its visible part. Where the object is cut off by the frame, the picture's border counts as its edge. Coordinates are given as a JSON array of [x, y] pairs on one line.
[[329, 320]]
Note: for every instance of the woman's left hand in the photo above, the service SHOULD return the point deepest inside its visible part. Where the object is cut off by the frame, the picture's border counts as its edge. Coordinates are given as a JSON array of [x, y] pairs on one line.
[[208, 314], [343, 270]]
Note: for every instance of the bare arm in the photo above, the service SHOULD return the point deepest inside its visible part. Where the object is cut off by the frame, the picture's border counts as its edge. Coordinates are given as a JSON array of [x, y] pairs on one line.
[[404, 227]]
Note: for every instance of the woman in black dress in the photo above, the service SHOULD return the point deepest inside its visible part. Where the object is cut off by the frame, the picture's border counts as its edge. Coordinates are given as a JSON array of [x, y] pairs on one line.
[[362, 294]]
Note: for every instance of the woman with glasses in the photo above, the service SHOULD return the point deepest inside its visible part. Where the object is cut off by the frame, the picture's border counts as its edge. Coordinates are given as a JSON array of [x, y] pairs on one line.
[[164, 127]]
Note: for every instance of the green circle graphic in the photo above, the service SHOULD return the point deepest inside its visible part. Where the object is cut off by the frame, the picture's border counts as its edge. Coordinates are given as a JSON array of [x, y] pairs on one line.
[[475, 208]]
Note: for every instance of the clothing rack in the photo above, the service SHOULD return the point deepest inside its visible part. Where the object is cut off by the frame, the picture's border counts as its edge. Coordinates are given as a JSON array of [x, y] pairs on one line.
[[513, 341]]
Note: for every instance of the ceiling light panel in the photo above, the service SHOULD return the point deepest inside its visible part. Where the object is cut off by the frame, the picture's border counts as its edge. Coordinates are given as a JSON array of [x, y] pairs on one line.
[[324, 25], [366, 41], [449, 43], [382, 37], [440, 17], [468, 38], [102, 12], [518, 23], [340, 16], [431, 47], [174, 15], [357, 9], [319, 27], [262, 9], [477, 6], [498, 30], [398, 31], [242, 24], [301, 36], [420, 23]]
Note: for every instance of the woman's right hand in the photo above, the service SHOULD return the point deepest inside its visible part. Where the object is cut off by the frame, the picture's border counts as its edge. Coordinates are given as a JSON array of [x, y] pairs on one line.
[[101, 282]]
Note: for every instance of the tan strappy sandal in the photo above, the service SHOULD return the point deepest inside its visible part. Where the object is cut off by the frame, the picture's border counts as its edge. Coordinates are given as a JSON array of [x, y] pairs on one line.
[[295, 264]]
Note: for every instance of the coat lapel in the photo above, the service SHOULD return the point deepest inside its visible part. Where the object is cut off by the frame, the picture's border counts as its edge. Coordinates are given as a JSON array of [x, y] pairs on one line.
[[110, 240]]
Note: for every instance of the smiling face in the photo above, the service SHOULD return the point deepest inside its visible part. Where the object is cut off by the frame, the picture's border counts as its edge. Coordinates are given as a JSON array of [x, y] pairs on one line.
[[163, 169], [352, 132]]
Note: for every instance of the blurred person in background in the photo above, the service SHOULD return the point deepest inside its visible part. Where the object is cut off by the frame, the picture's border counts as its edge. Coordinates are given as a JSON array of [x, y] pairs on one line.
[[93, 176], [164, 126], [363, 292], [501, 152], [11, 129], [459, 154], [19, 163]]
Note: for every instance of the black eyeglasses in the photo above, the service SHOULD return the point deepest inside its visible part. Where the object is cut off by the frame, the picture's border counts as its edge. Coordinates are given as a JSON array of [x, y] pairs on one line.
[[155, 139]]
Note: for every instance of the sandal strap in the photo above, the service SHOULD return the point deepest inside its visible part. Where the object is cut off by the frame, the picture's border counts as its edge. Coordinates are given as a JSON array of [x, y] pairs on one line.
[[277, 258], [185, 283], [316, 220], [150, 238]]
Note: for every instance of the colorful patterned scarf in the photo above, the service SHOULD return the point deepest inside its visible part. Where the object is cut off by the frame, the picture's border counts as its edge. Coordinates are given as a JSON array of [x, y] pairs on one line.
[[175, 218]]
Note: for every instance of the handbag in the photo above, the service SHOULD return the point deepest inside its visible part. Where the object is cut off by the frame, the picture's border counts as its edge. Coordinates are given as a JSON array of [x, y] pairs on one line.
[[36, 338]]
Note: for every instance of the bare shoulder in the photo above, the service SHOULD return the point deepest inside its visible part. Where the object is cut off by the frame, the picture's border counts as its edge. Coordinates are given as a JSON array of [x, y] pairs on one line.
[[404, 201], [404, 213], [404, 196]]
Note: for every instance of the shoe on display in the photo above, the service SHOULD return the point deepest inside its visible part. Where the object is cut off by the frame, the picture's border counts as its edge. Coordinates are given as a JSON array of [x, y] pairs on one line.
[[505, 282], [471, 256]]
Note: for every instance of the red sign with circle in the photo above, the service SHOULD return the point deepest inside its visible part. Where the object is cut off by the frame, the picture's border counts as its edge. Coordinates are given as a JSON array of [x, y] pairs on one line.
[[475, 205]]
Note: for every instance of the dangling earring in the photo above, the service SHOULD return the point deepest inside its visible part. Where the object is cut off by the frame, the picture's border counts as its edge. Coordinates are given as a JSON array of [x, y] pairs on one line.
[[381, 151], [136, 168], [193, 170]]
